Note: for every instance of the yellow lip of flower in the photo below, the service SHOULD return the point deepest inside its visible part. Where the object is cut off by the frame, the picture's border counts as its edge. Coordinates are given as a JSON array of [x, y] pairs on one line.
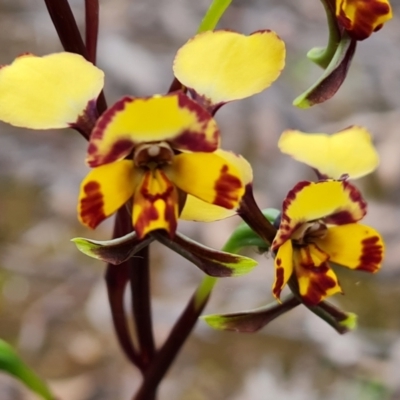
[[361, 18], [48, 92], [209, 177], [223, 66], [349, 152], [130, 121], [320, 225]]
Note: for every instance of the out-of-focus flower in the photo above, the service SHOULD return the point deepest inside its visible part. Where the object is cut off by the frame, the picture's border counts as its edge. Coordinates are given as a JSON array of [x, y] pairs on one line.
[[319, 225], [360, 18], [349, 153]]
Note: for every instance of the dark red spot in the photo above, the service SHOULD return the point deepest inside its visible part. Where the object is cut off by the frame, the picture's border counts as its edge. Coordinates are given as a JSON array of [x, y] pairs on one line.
[[195, 141], [226, 188], [340, 218], [319, 284], [92, 205], [279, 276], [366, 16], [371, 254]]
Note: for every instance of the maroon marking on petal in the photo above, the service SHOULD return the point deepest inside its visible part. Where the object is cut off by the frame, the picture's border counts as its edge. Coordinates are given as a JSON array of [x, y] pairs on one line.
[[372, 255], [150, 213], [121, 148], [196, 141], [340, 218], [319, 285], [226, 188], [118, 150], [279, 273], [365, 18], [186, 102], [291, 196], [92, 205]]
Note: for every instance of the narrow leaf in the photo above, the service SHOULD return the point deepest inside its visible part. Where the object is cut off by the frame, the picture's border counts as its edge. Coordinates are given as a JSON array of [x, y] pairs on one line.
[[252, 320], [114, 251], [10, 363], [333, 77]]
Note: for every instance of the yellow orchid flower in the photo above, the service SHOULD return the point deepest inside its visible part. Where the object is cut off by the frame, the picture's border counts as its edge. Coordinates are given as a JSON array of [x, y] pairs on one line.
[[349, 153], [360, 18], [319, 225], [172, 140]]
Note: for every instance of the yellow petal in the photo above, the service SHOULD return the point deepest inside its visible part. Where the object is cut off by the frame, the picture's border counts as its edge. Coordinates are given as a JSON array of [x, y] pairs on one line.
[[209, 177], [198, 210], [354, 246], [334, 202], [348, 152], [47, 92], [104, 190], [316, 279], [130, 121], [225, 65], [155, 205], [363, 17], [283, 267]]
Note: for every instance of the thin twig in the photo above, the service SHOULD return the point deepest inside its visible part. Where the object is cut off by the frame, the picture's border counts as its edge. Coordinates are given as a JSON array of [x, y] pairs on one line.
[[67, 29]]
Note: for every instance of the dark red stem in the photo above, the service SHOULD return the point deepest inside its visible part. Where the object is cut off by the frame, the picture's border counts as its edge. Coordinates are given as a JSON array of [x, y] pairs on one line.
[[92, 28], [170, 349], [253, 216], [64, 21], [139, 274], [117, 278]]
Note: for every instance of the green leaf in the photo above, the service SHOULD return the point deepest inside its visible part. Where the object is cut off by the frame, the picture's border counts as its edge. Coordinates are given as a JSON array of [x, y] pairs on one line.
[[244, 236], [114, 251], [213, 15], [13, 365]]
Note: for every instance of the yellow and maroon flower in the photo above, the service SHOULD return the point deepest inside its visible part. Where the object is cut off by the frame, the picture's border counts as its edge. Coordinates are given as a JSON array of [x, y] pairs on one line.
[[319, 225], [156, 149], [360, 18]]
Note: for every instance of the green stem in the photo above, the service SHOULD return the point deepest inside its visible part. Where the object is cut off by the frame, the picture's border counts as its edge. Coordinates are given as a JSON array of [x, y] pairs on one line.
[[323, 56], [213, 15], [208, 23]]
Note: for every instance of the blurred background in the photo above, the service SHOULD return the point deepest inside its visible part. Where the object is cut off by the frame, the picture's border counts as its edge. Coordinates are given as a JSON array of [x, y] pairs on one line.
[[53, 304]]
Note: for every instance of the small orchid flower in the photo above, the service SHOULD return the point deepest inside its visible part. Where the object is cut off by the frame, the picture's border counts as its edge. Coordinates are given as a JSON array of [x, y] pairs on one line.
[[319, 225]]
